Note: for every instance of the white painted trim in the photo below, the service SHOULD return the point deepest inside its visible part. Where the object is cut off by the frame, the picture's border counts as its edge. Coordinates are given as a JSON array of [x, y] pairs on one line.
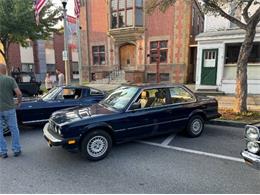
[[210, 87], [168, 140]]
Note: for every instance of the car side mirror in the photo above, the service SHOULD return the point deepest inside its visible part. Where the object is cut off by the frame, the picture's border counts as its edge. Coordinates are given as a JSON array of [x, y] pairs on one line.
[[135, 106]]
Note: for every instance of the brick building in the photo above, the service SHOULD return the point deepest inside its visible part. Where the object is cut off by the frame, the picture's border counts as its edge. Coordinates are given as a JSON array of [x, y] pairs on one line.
[[119, 34], [43, 56]]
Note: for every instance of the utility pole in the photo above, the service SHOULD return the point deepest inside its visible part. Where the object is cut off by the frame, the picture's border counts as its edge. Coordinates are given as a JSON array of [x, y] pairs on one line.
[[65, 54], [79, 52]]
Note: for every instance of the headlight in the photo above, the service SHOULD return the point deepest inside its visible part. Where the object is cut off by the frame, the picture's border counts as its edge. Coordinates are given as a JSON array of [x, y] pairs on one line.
[[253, 147], [57, 129], [252, 133]]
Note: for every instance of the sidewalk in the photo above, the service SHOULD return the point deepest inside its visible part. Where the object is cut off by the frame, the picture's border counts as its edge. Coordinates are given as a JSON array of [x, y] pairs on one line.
[[224, 101], [227, 101]]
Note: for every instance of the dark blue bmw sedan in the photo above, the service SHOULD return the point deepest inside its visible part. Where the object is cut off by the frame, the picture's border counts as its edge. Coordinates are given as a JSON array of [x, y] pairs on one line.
[[128, 113]]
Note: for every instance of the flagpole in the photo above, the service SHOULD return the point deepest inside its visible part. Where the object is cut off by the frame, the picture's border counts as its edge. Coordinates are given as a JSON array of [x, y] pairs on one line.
[[79, 51]]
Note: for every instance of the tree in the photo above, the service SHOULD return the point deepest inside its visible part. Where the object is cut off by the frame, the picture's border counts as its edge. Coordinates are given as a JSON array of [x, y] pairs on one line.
[[17, 24], [248, 23]]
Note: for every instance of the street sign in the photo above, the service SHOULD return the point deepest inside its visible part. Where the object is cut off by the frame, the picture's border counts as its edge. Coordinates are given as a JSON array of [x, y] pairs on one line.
[[64, 55]]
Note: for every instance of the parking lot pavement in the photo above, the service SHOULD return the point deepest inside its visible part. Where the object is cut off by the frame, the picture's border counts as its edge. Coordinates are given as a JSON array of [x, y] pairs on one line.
[[166, 164], [215, 141]]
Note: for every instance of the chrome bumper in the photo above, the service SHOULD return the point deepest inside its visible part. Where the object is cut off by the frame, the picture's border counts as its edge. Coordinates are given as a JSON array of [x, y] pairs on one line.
[[251, 159], [52, 141]]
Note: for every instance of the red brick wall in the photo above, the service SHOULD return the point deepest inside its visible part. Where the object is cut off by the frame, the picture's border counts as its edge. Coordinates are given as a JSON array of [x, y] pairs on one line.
[[98, 25], [97, 18], [14, 56], [58, 47], [160, 24]]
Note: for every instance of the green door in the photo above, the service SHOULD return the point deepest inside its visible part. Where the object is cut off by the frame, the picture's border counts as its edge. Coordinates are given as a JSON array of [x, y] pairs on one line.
[[209, 66]]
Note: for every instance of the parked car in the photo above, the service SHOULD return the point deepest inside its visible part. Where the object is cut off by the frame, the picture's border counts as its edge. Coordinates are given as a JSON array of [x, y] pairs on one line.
[[129, 112], [39, 110], [251, 154], [27, 83]]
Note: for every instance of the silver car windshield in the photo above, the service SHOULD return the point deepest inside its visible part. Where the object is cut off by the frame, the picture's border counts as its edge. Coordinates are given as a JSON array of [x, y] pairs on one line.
[[120, 97], [51, 94]]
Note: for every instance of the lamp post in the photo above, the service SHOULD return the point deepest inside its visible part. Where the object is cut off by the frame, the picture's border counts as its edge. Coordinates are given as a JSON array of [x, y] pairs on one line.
[[65, 51]]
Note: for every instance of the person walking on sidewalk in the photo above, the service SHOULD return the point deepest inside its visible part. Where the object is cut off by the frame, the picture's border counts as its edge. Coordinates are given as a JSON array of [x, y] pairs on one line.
[[48, 82], [7, 112], [60, 77]]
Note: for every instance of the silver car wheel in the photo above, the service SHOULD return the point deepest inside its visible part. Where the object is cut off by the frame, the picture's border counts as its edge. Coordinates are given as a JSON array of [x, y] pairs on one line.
[[97, 146], [196, 126]]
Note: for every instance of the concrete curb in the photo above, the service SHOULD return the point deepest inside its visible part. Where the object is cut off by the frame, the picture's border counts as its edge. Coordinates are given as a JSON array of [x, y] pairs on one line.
[[227, 123]]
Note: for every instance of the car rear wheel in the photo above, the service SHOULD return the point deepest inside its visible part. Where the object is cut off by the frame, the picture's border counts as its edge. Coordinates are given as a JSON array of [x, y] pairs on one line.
[[96, 145], [195, 126]]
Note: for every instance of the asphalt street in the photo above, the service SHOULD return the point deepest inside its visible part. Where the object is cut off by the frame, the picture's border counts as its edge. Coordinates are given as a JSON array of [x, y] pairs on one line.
[[166, 164]]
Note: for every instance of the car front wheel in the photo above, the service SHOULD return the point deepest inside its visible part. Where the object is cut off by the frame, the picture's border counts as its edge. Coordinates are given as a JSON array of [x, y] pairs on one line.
[[96, 145], [195, 126]]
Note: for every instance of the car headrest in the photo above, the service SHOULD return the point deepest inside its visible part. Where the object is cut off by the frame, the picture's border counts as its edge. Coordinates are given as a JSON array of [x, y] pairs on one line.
[[159, 95]]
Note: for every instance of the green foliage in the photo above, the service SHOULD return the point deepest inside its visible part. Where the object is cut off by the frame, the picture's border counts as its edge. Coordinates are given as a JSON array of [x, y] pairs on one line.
[[151, 5], [17, 23]]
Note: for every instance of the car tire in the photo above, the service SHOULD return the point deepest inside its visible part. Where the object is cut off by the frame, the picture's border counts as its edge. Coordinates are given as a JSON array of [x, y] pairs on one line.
[[96, 145], [195, 126]]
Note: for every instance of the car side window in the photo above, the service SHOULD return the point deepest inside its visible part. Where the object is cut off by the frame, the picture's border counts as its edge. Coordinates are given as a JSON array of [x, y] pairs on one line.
[[152, 98], [67, 93], [180, 95], [94, 92]]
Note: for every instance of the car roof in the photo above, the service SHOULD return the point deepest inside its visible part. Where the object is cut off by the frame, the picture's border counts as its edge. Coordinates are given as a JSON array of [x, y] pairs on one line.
[[154, 85], [78, 87]]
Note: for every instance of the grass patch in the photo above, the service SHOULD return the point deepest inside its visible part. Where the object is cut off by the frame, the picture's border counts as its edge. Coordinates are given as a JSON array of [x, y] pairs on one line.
[[247, 117]]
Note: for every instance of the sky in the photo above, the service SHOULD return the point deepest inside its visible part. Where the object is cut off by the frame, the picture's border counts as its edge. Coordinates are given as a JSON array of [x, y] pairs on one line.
[[70, 6]]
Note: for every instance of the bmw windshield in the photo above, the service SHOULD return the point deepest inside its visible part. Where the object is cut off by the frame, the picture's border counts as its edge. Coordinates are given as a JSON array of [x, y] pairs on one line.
[[51, 94], [120, 97]]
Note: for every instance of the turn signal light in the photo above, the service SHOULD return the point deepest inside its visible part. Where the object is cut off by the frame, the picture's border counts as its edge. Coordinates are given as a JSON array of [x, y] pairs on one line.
[[71, 141]]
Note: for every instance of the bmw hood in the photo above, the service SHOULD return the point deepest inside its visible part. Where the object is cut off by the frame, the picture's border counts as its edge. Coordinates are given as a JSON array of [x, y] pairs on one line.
[[78, 113]]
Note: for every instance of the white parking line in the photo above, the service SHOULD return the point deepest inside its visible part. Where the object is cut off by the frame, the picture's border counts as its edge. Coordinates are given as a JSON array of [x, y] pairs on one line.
[[168, 140], [194, 151]]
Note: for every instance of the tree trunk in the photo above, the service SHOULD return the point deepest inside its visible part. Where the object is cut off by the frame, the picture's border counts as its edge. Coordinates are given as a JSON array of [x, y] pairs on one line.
[[241, 76], [6, 57]]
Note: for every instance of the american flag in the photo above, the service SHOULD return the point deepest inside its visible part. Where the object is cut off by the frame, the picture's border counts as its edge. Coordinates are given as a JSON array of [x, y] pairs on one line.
[[77, 8], [38, 5]]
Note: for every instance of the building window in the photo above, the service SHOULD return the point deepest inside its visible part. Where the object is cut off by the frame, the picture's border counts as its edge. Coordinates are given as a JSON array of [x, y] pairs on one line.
[[122, 13], [163, 47], [75, 70], [198, 25], [164, 77], [193, 16], [98, 54], [232, 53], [28, 68], [51, 68]]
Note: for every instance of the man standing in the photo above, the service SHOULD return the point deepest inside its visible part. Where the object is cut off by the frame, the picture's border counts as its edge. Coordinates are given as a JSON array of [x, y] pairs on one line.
[[7, 112], [60, 77]]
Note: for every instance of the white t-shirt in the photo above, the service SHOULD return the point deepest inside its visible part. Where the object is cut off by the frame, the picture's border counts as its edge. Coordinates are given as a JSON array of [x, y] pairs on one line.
[[60, 79], [48, 83]]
